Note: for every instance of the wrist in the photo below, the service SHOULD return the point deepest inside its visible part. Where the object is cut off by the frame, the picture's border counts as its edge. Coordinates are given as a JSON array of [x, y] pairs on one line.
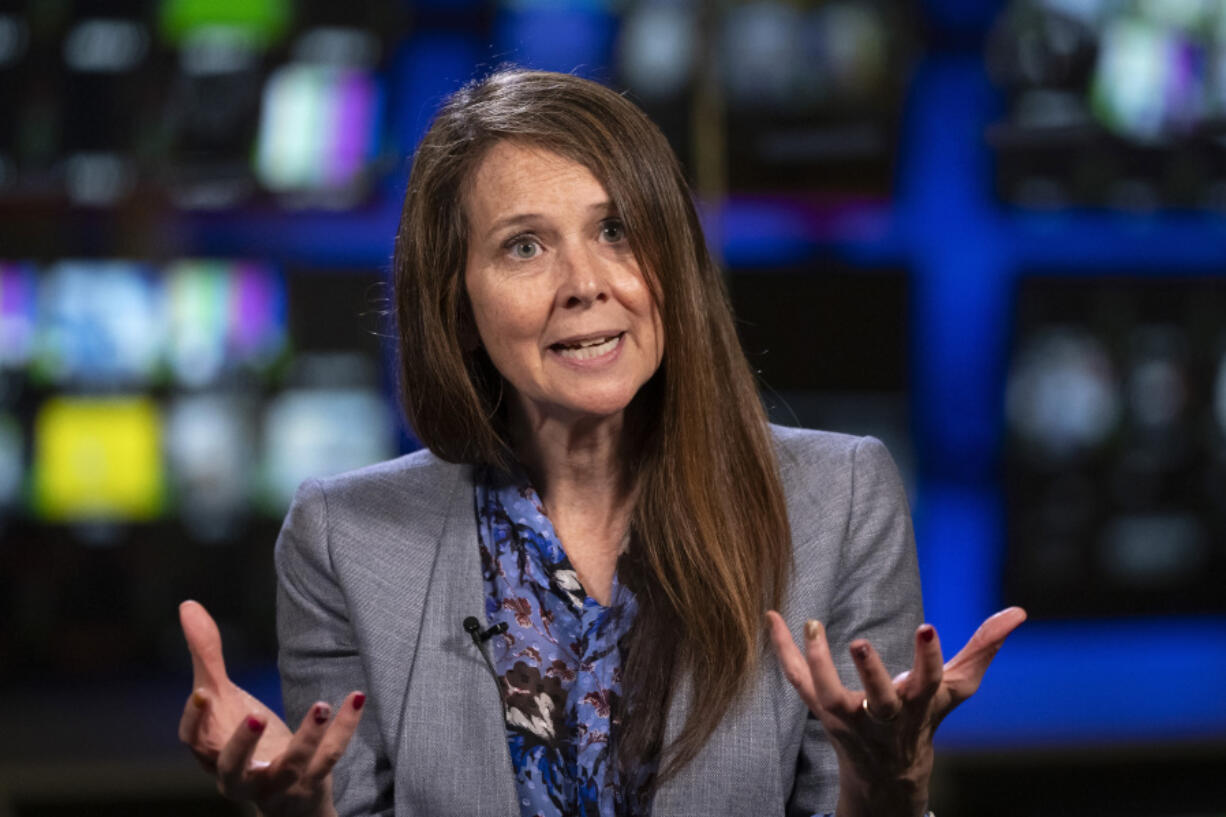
[[324, 810], [284, 807], [900, 797]]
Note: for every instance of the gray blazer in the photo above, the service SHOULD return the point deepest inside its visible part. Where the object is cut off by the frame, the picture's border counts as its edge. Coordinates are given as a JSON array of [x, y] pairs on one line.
[[378, 568]]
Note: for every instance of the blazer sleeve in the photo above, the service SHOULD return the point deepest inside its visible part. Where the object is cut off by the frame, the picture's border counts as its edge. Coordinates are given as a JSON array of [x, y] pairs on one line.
[[876, 596], [318, 657]]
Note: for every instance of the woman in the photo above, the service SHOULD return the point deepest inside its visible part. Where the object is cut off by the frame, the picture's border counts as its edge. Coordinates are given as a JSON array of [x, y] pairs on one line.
[[601, 482]]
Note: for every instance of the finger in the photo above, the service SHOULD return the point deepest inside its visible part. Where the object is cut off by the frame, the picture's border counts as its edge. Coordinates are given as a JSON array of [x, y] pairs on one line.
[[791, 660], [334, 741], [831, 693], [204, 643], [193, 714], [926, 670], [293, 762], [236, 756], [883, 701], [965, 670]]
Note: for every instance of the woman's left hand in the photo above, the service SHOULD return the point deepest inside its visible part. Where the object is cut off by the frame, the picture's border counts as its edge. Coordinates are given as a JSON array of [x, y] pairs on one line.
[[883, 735]]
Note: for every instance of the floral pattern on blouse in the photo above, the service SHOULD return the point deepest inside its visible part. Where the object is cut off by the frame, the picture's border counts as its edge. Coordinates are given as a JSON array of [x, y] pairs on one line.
[[559, 660]]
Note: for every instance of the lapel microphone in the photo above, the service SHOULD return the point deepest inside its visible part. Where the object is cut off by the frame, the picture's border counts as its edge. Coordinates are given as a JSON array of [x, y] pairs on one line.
[[473, 627]]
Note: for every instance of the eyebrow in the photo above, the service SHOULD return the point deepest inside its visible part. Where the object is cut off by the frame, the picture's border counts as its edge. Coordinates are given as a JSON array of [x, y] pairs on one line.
[[525, 218]]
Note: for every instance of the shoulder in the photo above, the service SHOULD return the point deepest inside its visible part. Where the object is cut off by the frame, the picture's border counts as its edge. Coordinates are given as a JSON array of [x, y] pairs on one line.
[[800, 448], [829, 478], [827, 460], [419, 478], [385, 506]]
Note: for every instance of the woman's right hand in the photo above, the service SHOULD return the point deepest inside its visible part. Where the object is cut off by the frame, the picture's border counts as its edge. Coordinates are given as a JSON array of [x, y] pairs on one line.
[[246, 747]]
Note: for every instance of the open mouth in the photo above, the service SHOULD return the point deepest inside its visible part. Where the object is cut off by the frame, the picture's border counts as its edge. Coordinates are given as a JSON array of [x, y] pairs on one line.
[[588, 349]]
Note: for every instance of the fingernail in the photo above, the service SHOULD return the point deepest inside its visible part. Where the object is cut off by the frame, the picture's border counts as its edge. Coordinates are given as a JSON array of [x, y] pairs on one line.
[[321, 713], [198, 698], [359, 701], [860, 651], [813, 629], [927, 633], [255, 725]]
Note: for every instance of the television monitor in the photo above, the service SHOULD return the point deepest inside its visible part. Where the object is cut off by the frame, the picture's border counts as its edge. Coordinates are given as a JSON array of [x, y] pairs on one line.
[[279, 98], [98, 459], [98, 324], [657, 59], [17, 314], [318, 132], [107, 51], [210, 462], [1115, 458], [1114, 105], [321, 431], [211, 113], [224, 319], [813, 95]]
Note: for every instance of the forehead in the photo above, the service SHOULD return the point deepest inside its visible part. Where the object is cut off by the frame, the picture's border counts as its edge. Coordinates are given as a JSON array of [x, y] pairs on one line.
[[514, 178]]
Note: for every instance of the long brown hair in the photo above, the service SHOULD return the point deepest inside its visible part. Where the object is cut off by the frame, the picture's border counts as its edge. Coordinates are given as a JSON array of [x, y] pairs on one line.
[[710, 546]]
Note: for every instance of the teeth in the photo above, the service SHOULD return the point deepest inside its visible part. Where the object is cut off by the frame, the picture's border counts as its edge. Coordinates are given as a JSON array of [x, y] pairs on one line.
[[589, 349]]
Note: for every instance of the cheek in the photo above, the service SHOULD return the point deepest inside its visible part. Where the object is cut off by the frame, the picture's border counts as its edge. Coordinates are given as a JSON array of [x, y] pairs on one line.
[[505, 321]]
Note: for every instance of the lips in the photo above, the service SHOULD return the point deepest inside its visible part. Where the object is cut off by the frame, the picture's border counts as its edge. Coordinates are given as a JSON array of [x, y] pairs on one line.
[[589, 346], [590, 339]]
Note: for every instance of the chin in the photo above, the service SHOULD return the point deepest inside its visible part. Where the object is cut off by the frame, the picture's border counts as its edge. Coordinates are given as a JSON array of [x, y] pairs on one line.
[[590, 400], [600, 405], [598, 411]]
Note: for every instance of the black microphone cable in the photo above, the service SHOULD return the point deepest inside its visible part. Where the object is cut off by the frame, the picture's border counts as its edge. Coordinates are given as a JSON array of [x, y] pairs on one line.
[[473, 627]]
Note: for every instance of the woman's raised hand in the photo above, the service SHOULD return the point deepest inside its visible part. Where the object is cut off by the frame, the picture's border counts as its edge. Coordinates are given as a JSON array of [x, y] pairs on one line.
[[883, 735], [243, 743]]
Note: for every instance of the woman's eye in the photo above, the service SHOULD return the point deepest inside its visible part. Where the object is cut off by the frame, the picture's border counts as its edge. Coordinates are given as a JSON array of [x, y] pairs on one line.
[[613, 231], [524, 248]]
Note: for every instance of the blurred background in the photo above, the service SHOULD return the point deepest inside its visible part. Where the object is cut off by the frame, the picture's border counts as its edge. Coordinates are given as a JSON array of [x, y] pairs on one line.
[[991, 233]]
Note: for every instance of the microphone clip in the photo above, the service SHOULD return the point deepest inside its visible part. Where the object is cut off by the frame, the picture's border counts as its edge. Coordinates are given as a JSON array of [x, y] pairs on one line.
[[473, 627]]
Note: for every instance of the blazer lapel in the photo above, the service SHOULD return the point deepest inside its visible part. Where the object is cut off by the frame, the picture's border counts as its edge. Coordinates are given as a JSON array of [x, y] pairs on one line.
[[453, 754]]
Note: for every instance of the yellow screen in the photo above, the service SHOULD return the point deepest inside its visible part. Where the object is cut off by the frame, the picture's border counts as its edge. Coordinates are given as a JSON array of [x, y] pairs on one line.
[[98, 459]]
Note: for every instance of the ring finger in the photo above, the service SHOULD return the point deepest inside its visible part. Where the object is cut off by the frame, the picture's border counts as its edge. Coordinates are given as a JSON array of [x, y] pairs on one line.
[[883, 703], [292, 765]]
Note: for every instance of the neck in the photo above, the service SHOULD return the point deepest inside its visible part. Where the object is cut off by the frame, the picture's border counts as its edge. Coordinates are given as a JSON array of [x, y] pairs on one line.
[[583, 472], [576, 463]]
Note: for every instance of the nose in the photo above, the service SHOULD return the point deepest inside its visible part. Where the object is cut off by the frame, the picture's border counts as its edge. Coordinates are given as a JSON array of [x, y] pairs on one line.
[[584, 279]]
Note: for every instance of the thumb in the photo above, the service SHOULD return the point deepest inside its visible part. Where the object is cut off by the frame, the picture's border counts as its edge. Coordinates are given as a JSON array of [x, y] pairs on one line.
[[966, 669], [204, 643]]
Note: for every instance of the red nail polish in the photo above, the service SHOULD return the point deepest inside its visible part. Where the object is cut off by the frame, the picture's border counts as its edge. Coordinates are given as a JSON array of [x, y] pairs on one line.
[[359, 701], [321, 714], [254, 725], [926, 634], [861, 651]]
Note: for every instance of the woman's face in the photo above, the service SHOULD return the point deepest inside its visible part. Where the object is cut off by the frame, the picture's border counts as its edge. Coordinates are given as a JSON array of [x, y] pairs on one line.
[[560, 303]]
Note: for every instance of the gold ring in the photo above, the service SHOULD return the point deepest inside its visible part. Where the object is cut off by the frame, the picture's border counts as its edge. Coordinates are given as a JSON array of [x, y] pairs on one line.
[[873, 717]]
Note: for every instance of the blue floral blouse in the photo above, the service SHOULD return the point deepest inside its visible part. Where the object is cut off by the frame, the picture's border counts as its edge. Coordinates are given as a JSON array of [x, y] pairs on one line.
[[559, 660]]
